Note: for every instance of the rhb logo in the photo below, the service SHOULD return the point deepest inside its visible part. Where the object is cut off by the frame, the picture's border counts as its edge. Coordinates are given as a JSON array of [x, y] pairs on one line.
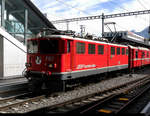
[[38, 60]]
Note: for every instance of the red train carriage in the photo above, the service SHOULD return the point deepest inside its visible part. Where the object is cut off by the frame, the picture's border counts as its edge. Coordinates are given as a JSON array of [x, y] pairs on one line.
[[148, 56], [55, 59], [117, 57], [138, 57], [145, 56], [134, 57]]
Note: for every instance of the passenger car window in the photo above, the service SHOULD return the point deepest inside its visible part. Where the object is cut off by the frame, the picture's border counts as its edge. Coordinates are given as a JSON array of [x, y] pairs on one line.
[[123, 51], [143, 54], [112, 50], [118, 51]]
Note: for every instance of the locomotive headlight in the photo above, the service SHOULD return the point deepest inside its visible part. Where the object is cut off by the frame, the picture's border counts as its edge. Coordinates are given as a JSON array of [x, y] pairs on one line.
[[52, 65], [28, 64]]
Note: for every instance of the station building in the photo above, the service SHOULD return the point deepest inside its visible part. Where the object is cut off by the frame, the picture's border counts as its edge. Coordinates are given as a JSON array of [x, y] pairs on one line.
[[19, 20]]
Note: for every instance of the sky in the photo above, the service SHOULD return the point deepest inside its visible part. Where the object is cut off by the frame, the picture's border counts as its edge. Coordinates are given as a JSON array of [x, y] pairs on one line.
[[65, 9]]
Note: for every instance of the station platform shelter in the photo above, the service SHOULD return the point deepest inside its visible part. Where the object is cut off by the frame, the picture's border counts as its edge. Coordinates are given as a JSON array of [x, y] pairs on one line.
[[19, 20]]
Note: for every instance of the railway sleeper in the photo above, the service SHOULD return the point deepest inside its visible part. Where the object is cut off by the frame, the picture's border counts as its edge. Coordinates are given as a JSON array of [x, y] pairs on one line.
[[61, 110], [70, 106], [115, 106], [106, 110]]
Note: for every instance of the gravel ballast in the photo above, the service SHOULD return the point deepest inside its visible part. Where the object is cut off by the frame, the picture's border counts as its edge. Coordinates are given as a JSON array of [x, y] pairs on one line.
[[78, 92]]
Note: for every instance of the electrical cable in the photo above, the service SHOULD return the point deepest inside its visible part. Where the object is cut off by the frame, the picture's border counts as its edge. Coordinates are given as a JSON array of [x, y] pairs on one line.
[[115, 3], [112, 2], [72, 7], [141, 4]]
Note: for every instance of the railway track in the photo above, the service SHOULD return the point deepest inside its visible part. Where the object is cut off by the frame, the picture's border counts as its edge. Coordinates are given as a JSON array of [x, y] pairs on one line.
[[77, 104], [115, 104], [17, 100]]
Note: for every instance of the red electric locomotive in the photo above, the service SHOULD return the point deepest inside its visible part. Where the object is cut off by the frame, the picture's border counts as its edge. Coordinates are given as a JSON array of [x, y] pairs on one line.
[[55, 59]]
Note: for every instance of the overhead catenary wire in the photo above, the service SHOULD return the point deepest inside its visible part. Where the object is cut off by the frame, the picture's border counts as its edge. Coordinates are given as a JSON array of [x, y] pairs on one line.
[[144, 19], [68, 5], [145, 8], [57, 17], [146, 3], [141, 4], [115, 3], [73, 7]]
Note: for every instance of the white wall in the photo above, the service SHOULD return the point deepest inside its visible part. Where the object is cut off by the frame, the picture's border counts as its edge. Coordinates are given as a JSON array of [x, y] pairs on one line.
[[13, 56], [14, 60]]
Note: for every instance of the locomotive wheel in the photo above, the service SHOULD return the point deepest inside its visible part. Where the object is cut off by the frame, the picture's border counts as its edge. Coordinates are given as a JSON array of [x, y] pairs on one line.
[[64, 86], [56, 85], [35, 86]]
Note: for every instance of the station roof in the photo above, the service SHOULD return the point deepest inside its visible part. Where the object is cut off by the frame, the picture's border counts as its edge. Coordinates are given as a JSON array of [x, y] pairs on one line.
[[132, 38], [36, 19]]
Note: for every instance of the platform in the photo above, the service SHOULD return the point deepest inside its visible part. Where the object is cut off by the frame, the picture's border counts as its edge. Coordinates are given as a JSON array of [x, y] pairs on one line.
[[13, 83], [13, 80]]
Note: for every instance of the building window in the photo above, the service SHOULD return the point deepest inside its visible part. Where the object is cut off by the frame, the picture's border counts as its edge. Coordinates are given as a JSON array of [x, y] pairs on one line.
[[123, 51], [100, 49], [112, 50], [91, 48], [118, 51], [80, 48]]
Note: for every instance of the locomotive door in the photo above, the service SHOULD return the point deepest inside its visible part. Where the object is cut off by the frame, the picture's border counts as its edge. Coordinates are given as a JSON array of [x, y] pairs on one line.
[[112, 58], [70, 56]]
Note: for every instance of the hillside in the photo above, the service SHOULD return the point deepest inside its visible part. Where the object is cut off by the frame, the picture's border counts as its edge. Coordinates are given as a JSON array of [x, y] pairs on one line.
[[143, 33]]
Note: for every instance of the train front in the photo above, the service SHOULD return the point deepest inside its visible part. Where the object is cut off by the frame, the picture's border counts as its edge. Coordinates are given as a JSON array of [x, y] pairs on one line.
[[43, 59]]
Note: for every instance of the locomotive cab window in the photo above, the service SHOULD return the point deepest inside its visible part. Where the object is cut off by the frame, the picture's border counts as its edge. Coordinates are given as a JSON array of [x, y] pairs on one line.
[[91, 48], [80, 48], [118, 51], [112, 50], [48, 46], [100, 49], [32, 46]]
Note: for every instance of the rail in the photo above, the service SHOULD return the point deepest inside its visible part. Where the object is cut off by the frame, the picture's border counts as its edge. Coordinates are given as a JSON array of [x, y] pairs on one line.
[[76, 103]]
